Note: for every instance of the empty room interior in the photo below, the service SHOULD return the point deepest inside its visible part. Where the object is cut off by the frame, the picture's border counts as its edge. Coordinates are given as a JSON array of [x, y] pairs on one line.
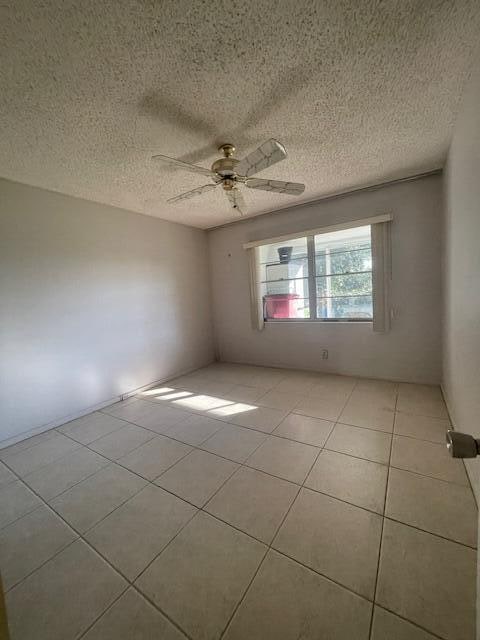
[[239, 320]]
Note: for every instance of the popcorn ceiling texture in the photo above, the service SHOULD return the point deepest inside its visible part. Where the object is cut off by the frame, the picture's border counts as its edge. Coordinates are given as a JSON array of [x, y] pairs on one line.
[[359, 91]]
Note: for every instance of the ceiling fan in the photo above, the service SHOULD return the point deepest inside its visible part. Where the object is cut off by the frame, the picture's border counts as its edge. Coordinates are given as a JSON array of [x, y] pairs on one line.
[[229, 172]]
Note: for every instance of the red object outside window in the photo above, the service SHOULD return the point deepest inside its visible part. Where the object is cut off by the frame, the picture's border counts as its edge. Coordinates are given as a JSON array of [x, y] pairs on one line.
[[280, 305]]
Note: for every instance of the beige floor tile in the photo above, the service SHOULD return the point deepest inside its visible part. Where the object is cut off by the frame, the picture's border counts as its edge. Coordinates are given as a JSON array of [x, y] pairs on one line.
[[234, 443], [190, 382], [360, 482], [122, 441], [63, 597], [422, 427], [325, 405], [91, 427], [329, 383], [208, 565], [253, 502], [244, 393], [60, 475], [261, 418], [301, 383], [216, 388], [195, 429], [156, 417], [201, 403], [133, 618], [428, 580], [6, 476], [41, 454], [380, 389], [196, 477], [428, 459], [6, 452], [387, 626], [16, 500], [154, 457], [304, 429], [266, 378], [289, 602], [360, 442], [94, 498], [281, 400], [130, 410], [436, 506], [136, 532], [422, 400], [365, 410], [29, 542], [339, 540], [235, 374], [284, 458]]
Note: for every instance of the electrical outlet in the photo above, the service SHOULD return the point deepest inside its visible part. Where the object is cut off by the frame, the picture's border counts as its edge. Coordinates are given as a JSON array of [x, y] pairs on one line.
[[324, 354]]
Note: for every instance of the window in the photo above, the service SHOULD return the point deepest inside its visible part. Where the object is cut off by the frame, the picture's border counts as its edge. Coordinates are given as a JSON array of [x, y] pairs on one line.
[[285, 282], [327, 275], [336, 267], [343, 274]]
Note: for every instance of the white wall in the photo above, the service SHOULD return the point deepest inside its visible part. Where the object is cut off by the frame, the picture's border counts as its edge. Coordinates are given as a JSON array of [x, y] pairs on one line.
[[461, 363], [410, 351], [94, 302]]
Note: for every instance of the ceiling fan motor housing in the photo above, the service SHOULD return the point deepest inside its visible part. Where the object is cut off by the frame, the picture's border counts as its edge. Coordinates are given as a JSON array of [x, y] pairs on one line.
[[225, 167], [228, 172]]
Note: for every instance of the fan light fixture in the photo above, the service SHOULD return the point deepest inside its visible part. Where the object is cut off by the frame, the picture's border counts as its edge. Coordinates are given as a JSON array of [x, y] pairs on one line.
[[229, 172]]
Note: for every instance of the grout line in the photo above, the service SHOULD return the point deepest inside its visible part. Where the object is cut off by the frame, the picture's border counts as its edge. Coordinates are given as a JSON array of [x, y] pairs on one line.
[[351, 455], [414, 624], [26, 513], [81, 536], [379, 555], [245, 464], [269, 548], [77, 537], [110, 606], [270, 545], [241, 464], [424, 475]]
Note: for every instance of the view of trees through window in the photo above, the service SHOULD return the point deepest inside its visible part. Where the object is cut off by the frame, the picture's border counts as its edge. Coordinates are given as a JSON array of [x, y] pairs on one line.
[[342, 278], [343, 264]]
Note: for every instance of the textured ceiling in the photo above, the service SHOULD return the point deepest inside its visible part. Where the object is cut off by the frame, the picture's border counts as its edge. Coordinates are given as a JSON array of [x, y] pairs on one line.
[[359, 92]]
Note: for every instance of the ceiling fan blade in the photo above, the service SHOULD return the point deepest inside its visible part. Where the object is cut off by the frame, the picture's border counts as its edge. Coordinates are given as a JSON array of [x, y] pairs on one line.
[[187, 166], [292, 188], [267, 154], [194, 192], [236, 200]]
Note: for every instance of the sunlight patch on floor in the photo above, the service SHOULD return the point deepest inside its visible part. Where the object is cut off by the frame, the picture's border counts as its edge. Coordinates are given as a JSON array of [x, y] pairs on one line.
[[156, 391], [232, 409]]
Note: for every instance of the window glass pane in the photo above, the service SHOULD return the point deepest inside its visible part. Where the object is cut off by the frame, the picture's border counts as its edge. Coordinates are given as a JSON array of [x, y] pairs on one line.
[[344, 285], [343, 266], [284, 279], [353, 260], [287, 299], [296, 248], [343, 251], [348, 307]]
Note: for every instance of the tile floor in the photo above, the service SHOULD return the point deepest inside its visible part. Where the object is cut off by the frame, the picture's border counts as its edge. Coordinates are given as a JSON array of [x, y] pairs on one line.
[[244, 503]]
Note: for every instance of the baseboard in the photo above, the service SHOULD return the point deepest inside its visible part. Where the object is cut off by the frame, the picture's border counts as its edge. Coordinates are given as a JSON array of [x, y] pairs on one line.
[[79, 414], [473, 482], [325, 372]]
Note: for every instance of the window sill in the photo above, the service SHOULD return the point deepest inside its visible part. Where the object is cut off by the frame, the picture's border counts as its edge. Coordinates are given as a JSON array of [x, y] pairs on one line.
[[328, 322]]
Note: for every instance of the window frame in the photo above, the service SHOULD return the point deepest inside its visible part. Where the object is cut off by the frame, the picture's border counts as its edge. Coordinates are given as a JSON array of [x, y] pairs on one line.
[[381, 274]]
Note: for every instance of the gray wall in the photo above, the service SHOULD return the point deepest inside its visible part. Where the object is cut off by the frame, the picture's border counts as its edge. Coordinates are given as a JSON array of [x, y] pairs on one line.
[[410, 351], [461, 363], [94, 302]]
